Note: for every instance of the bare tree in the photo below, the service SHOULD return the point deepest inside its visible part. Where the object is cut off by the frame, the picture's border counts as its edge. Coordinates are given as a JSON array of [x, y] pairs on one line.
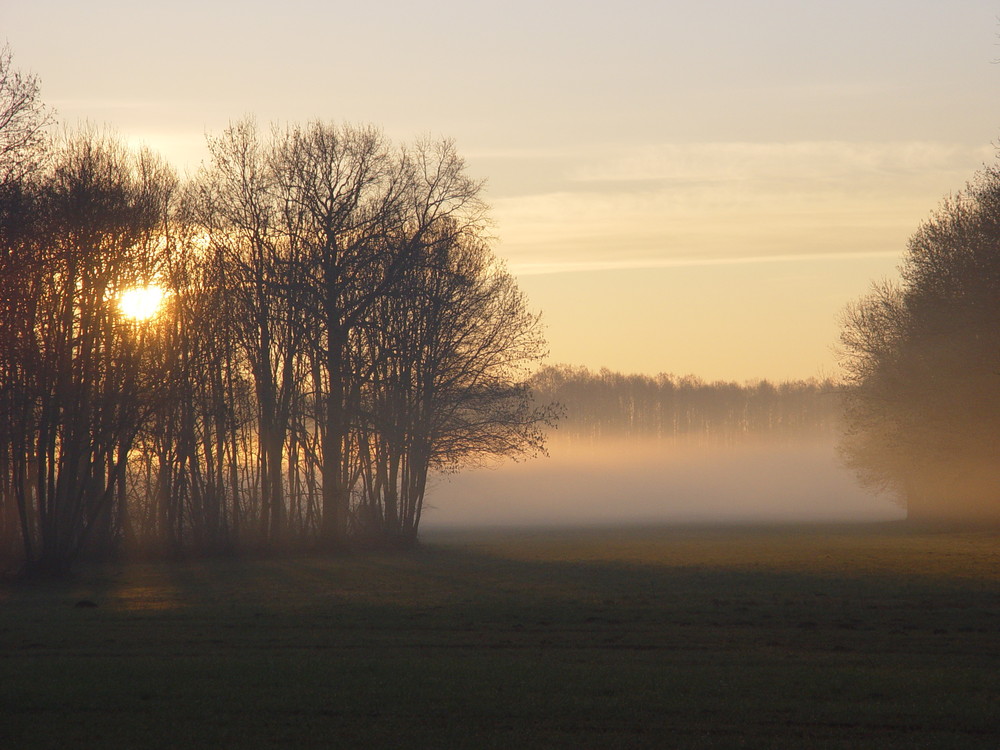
[[76, 372], [242, 209], [362, 216], [336, 325], [451, 351], [23, 119]]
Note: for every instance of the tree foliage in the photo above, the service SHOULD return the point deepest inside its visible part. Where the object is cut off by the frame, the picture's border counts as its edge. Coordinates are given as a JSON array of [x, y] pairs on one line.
[[922, 360]]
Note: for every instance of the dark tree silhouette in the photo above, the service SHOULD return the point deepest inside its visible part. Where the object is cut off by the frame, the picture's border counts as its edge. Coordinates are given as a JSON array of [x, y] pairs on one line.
[[362, 214], [922, 360], [75, 373], [23, 119], [254, 233], [449, 353], [334, 326]]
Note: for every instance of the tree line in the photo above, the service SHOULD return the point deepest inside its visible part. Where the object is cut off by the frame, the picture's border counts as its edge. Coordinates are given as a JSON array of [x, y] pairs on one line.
[[334, 324], [611, 404]]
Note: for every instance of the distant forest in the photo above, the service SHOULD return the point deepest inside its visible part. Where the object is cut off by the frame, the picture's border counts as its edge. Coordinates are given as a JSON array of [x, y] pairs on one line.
[[612, 404]]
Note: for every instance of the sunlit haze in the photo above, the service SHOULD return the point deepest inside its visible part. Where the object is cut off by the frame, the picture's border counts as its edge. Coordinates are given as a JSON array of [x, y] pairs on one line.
[[652, 482], [680, 187]]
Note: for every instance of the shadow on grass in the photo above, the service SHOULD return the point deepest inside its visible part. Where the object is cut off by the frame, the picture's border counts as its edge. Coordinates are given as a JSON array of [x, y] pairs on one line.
[[820, 637]]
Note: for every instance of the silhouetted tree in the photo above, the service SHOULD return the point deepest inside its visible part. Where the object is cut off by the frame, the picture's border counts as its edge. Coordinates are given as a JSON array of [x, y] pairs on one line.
[[922, 360], [334, 326], [450, 351], [361, 215], [23, 119], [255, 233]]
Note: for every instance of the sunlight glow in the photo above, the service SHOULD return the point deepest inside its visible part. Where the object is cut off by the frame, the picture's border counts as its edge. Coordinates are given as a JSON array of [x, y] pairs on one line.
[[141, 303]]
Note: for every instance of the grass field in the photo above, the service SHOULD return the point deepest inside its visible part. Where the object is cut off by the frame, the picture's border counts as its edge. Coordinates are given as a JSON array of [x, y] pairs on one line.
[[776, 637]]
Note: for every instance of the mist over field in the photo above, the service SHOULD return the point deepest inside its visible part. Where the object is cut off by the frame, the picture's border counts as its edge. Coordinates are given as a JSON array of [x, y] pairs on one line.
[[678, 480]]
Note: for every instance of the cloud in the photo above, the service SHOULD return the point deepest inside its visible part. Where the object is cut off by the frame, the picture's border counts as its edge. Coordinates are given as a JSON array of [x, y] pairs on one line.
[[823, 162], [701, 204], [131, 105], [529, 268]]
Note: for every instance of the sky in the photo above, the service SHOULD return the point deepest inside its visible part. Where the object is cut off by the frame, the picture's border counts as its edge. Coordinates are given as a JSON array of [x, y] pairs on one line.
[[689, 188]]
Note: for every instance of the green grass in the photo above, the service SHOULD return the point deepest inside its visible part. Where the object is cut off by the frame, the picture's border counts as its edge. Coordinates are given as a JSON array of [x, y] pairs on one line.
[[778, 637]]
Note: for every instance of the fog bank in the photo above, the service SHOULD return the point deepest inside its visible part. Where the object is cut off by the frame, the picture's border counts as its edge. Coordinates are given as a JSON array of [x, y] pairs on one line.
[[661, 481]]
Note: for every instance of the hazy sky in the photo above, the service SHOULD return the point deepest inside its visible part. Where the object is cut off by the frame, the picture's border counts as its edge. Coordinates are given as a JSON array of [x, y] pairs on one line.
[[681, 187]]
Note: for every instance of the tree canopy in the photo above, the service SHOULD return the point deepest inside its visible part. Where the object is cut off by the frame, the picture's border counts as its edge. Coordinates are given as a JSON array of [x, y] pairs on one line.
[[922, 362]]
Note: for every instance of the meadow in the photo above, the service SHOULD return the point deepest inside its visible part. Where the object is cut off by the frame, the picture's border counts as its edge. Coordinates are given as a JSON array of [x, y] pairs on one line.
[[820, 636]]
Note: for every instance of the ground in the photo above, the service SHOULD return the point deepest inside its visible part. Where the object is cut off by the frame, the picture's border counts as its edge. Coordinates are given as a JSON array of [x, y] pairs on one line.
[[780, 637]]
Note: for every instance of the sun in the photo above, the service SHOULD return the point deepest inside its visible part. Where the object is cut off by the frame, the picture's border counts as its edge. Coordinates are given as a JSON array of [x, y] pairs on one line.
[[141, 302]]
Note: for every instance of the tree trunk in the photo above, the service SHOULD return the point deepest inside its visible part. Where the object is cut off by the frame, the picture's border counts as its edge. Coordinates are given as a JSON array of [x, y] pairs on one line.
[[336, 494]]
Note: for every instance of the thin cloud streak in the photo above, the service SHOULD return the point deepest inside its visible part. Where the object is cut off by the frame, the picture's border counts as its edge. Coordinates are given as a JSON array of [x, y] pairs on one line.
[[822, 163], [719, 204], [99, 105], [551, 267]]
